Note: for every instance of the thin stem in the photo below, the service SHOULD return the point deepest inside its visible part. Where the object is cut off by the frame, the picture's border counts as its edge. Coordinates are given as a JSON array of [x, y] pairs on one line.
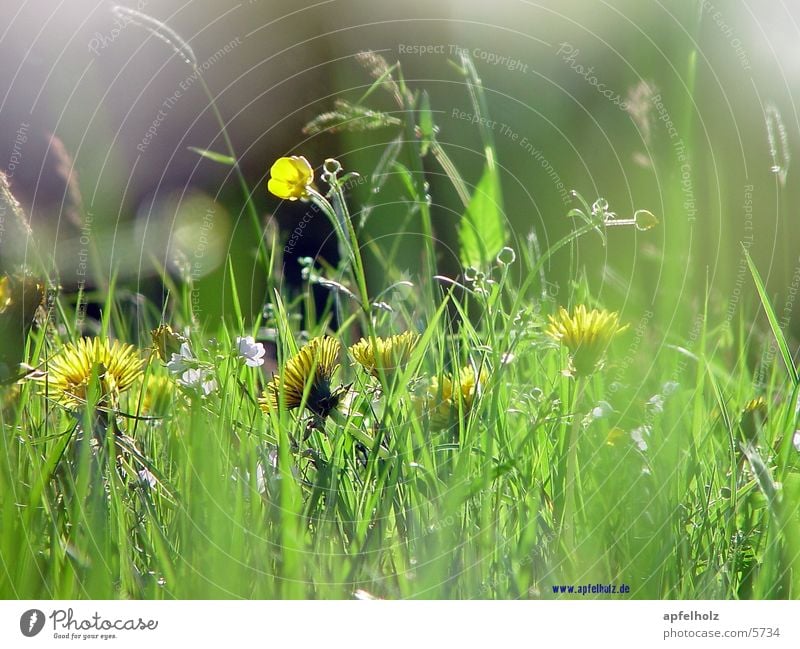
[[568, 516], [451, 171], [339, 217]]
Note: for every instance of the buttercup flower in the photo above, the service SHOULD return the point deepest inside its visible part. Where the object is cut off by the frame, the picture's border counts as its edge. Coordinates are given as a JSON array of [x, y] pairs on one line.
[[290, 178], [443, 397], [586, 334], [251, 351], [387, 353], [68, 374], [314, 363]]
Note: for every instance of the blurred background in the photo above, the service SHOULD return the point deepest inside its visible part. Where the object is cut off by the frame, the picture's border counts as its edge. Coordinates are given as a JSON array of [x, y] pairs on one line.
[[683, 108]]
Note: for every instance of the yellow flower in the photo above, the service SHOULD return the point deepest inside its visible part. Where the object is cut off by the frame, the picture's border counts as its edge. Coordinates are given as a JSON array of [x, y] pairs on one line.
[[166, 342], [754, 414], [388, 353], [314, 363], [442, 398], [757, 405], [586, 334], [469, 384], [290, 178], [157, 392], [67, 377], [614, 435]]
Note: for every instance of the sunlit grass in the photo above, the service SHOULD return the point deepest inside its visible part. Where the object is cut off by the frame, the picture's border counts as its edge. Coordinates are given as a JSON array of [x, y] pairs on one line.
[[481, 439]]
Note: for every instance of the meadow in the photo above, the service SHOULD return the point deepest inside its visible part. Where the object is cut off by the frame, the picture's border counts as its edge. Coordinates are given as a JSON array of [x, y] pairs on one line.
[[414, 433]]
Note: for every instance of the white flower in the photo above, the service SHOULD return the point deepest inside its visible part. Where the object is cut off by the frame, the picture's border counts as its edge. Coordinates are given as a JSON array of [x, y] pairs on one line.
[[796, 440], [638, 436], [656, 403], [251, 351], [147, 479], [198, 378], [182, 361], [602, 409], [191, 372]]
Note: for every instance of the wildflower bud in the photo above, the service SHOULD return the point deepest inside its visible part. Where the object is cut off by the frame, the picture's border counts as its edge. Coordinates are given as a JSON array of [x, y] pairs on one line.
[[506, 256], [644, 220]]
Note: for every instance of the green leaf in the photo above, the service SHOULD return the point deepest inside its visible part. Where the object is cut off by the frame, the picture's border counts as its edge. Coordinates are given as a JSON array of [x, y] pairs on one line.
[[426, 126], [213, 155], [482, 231], [773, 320]]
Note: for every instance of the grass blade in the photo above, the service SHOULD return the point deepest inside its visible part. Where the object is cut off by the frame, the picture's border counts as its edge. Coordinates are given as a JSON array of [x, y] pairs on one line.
[[773, 319]]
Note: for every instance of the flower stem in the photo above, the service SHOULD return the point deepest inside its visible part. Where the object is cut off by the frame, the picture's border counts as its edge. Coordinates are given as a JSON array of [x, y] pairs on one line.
[[568, 516]]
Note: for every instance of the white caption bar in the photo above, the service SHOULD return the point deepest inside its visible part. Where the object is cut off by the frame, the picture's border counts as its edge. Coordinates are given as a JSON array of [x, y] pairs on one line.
[[405, 624]]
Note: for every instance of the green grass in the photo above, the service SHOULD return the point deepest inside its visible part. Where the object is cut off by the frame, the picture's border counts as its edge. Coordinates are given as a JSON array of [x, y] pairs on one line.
[[677, 493]]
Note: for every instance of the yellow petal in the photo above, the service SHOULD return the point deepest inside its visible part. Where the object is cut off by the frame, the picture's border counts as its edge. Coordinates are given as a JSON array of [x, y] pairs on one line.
[[293, 170], [282, 189]]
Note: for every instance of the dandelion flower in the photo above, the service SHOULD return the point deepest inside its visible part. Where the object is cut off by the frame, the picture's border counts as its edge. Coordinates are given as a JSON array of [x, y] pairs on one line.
[[387, 353], [290, 178], [157, 393], [443, 397], [315, 363], [117, 366], [251, 352], [586, 334]]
